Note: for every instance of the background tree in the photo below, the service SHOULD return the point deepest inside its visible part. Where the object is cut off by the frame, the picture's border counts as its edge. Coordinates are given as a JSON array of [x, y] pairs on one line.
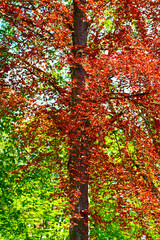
[[105, 93], [26, 208]]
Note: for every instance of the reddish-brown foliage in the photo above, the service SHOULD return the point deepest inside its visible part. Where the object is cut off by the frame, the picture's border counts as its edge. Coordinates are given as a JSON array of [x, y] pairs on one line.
[[110, 100]]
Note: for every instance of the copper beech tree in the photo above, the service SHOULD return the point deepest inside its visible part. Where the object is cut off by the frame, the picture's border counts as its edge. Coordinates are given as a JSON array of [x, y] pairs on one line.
[[86, 75]]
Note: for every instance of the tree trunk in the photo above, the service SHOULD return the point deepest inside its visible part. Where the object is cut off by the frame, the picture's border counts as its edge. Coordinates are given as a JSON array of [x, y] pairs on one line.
[[78, 161]]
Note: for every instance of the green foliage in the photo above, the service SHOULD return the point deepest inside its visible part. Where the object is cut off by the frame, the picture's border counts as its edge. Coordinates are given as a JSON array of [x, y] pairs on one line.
[[27, 210]]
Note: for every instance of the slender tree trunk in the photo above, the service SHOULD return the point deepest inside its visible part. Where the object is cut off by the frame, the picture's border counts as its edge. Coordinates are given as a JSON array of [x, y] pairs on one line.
[[78, 161]]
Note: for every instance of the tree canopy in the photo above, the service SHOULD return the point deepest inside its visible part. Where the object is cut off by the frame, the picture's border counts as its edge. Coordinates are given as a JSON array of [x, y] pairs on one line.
[[80, 85]]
